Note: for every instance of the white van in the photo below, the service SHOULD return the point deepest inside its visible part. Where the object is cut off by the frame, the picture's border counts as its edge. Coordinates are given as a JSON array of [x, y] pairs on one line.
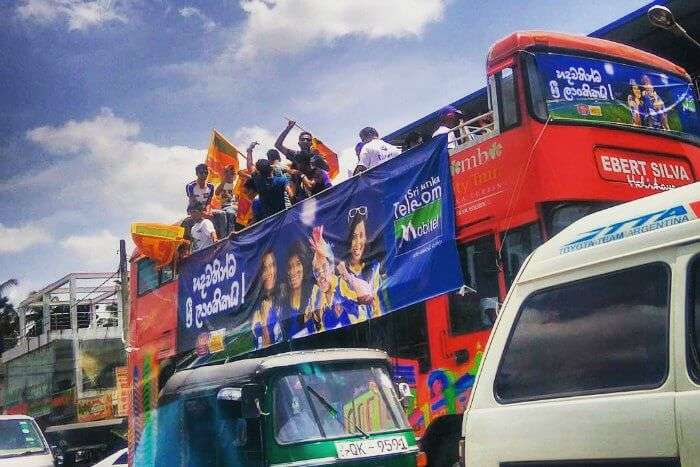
[[22, 444], [594, 358]]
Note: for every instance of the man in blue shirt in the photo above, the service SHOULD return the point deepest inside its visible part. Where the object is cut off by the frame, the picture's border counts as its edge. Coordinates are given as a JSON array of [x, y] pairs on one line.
[[271, 189]]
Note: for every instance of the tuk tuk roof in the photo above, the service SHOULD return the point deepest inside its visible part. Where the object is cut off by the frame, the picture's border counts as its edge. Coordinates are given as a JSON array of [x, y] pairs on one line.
[[245, 371]]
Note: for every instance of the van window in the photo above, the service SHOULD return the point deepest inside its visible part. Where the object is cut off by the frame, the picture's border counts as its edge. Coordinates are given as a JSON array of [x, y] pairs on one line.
[[517, 246], [693, 321], [475, 309], [603, 334]]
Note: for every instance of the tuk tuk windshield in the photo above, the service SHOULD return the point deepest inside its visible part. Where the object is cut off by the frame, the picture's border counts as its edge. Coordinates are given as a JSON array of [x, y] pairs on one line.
[[332, 401]]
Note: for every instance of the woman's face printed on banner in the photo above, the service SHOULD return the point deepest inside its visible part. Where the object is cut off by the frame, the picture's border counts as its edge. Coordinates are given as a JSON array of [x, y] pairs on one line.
[[295, 272], [358, 243], [269, 271]]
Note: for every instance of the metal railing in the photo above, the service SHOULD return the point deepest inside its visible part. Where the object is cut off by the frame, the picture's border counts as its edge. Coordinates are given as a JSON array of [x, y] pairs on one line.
[[473, 131]]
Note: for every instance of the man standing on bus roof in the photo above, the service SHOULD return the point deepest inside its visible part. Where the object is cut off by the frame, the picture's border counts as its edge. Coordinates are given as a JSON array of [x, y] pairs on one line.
[[270, 188], [202, 231], [449, 119], [374, 150], [305, 153], [201, 191]]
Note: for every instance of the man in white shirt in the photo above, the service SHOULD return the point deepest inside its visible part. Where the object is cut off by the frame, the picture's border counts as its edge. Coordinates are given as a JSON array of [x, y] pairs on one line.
[[202, 191], [449, 118], [374, 150], [202, 231]]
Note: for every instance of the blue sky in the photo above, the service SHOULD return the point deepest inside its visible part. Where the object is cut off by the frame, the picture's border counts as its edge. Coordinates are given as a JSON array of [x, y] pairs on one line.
[[106, 106]]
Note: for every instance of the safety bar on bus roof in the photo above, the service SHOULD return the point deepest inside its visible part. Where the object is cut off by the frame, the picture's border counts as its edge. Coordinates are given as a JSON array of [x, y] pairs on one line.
[[469, 134]]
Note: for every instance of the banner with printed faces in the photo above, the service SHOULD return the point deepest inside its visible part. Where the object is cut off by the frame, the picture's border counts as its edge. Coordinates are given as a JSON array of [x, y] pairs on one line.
[[601, 90], [369, 246]]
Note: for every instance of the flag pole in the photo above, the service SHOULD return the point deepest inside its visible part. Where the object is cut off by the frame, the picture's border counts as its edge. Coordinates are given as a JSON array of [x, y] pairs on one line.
[[296, 124]]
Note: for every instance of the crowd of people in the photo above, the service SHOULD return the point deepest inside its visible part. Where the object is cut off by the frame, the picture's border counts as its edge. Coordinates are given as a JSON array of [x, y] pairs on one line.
[[273, 184]]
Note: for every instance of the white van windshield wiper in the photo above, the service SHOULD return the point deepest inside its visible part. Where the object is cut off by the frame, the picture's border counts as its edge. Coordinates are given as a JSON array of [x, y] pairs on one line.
[[334, 412]]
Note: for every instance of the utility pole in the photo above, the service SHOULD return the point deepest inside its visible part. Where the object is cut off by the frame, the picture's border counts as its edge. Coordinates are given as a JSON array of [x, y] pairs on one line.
[[124, 290]]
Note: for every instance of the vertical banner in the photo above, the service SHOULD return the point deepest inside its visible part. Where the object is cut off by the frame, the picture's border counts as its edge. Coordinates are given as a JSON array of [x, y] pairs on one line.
[[367, 247], [121, 393]]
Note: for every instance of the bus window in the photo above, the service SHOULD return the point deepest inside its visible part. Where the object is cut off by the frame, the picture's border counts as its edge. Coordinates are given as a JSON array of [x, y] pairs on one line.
[[507, 99], [536, 100], [474, 306], [149, 277], [517, 245], [559, 216]]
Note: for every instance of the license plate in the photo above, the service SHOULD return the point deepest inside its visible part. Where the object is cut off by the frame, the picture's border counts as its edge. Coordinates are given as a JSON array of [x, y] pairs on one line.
[[371, 447]]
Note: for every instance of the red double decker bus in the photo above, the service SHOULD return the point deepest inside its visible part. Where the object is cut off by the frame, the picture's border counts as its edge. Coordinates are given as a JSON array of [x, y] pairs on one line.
[[566, 126]]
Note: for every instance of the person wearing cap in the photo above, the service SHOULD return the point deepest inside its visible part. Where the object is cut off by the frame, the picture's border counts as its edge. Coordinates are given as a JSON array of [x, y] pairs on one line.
[[202, 232], [374, 150], [449, 120]]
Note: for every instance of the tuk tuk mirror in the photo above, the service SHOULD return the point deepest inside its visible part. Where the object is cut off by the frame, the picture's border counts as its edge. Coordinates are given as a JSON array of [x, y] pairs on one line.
[[405, 394], [251, 394]]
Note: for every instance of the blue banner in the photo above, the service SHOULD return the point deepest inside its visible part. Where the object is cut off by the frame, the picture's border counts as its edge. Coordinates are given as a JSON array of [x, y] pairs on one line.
[[369, 246], [591, 89]]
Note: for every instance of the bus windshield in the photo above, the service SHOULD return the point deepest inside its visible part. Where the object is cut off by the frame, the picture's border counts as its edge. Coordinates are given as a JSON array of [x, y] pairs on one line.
[[330, 402], [595, 90]]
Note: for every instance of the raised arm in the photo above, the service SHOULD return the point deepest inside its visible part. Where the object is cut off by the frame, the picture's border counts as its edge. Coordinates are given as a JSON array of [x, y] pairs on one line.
[[279, 144], [249, 157]]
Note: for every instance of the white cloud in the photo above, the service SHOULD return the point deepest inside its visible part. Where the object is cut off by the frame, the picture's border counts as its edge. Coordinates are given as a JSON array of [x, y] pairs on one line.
[[16, 239], [121, 175], [98, 134], [94, 250], [289, 26], [193, 12], [80, 14]]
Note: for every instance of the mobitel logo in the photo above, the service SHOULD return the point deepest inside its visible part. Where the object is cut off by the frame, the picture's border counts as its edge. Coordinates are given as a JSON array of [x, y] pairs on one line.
[[417, 216], [477, 159]]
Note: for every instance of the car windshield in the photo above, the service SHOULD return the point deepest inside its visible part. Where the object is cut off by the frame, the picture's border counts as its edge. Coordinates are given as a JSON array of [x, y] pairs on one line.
[[331, 401], [595, 90], [19, 437]]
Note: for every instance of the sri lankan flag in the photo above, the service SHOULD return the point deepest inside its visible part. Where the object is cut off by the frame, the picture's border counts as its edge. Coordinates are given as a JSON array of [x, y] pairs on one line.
[[157, 241], [221, 153], [328, 154]]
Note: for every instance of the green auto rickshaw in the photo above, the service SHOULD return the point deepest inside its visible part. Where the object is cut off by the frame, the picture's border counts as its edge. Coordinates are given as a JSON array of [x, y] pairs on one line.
[[305, 408]]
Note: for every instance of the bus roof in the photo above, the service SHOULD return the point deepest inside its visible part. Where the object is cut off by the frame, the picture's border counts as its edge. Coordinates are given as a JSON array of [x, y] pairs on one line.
[[657, 221], [244, 371], [522, 40]]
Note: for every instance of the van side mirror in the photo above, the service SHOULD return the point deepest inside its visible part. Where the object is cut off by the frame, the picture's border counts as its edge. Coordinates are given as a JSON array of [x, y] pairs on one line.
[[251, 394]]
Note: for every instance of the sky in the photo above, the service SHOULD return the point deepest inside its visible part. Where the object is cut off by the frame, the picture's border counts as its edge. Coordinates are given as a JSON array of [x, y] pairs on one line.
[[106, 106]]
